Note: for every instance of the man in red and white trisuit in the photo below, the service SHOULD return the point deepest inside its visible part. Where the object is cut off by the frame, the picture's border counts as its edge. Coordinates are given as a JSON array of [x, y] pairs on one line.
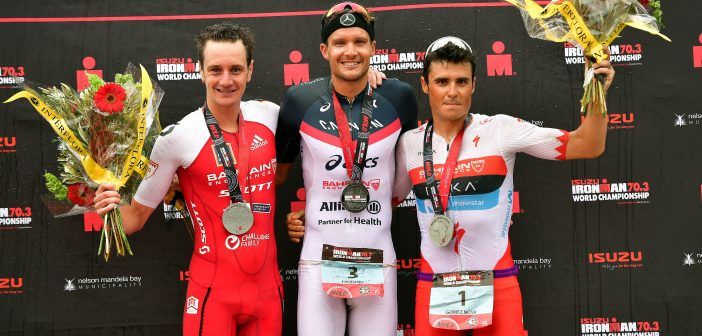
[[480, 152], [235, 286]]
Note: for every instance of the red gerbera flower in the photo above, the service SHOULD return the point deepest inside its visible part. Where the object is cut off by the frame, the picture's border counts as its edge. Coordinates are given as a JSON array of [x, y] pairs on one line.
[[81, 194], [109, 98]]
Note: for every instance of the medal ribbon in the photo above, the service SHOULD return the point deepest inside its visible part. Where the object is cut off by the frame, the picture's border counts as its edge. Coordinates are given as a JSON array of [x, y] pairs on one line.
[[225, 156], [359, 155], [439, 193]]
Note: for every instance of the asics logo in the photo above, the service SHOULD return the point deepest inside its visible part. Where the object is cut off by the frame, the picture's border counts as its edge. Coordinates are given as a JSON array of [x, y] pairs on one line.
[[325, 107], [336, 160]]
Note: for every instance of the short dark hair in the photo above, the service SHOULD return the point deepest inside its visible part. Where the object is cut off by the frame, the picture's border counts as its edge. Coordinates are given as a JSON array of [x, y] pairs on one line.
[[449, 53], [226, 32]]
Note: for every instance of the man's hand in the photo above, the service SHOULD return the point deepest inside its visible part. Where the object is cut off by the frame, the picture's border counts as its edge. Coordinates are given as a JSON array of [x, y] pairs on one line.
[[106, 199], [604, 68], [375, 78], [173, 190], [296, 225]]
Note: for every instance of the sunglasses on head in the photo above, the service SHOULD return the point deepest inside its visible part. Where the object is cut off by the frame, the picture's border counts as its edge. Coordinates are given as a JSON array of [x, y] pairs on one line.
[[350, 6], [442, 42]]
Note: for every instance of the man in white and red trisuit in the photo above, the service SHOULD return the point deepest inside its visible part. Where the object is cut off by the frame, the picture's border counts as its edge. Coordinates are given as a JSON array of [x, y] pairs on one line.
[[224, 156], [461, 166]]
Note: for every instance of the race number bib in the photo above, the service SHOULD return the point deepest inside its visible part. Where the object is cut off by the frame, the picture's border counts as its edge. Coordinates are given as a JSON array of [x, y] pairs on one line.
[[352, 272], [461, 300]]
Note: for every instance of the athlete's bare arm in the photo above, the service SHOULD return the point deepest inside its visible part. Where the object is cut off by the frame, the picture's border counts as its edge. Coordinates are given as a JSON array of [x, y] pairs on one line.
[[134, 216], [588, 140]]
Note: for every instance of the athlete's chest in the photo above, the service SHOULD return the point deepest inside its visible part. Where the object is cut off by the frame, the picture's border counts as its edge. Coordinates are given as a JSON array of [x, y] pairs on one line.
[[324, 116], [477, 168], [253, 155]]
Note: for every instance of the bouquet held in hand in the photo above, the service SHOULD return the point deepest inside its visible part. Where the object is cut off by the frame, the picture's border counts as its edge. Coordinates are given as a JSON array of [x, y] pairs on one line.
[[105, 133], [593, 25]]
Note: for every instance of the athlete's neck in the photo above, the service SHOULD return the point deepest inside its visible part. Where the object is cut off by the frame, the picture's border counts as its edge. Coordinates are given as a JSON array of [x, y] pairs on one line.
[[448, 129], [349, 89], [227, 116]]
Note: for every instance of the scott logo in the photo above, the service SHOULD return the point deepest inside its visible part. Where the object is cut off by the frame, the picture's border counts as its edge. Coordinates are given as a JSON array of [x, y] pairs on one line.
[[8, 283], [613, 257], [336, 160]]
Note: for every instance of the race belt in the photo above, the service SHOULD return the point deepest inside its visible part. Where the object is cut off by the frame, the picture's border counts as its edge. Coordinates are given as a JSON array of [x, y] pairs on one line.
[[462, 300], [349, 272]]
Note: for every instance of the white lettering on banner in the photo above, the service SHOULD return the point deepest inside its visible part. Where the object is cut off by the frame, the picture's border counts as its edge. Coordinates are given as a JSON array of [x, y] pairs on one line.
[[610, 326], [124, 281], [625, 192], [15, 221], [10, 80], [630, 54]]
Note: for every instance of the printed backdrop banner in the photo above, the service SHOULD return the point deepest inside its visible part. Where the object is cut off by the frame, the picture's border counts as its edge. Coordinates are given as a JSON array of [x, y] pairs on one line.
[[604, 247]]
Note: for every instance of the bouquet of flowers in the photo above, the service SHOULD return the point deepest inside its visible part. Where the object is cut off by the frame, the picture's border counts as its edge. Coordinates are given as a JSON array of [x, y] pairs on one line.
[[105, 133], [593, 25]]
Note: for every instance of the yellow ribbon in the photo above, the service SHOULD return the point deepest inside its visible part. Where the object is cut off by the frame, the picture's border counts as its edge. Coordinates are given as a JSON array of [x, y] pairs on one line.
[[580, 33], [135, 160], [92, 168]]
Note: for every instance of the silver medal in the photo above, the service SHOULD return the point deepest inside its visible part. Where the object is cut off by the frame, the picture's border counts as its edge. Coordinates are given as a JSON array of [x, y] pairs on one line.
[[238, 218], [441, 230], [355, 196]]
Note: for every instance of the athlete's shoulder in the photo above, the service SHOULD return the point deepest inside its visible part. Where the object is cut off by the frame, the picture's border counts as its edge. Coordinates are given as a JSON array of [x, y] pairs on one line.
[[504, 120], [403, 98], [299, 98], [482, 120], [308, 90], [261, 105], [413, 136], [182, 140], [394, 84], [261, 111], [417, 131], [395, 87], [184, 128]]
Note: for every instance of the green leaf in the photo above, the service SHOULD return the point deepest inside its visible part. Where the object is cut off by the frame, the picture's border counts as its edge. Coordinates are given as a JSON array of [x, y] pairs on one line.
[[124, 79], [55, 186], [95, 81]]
